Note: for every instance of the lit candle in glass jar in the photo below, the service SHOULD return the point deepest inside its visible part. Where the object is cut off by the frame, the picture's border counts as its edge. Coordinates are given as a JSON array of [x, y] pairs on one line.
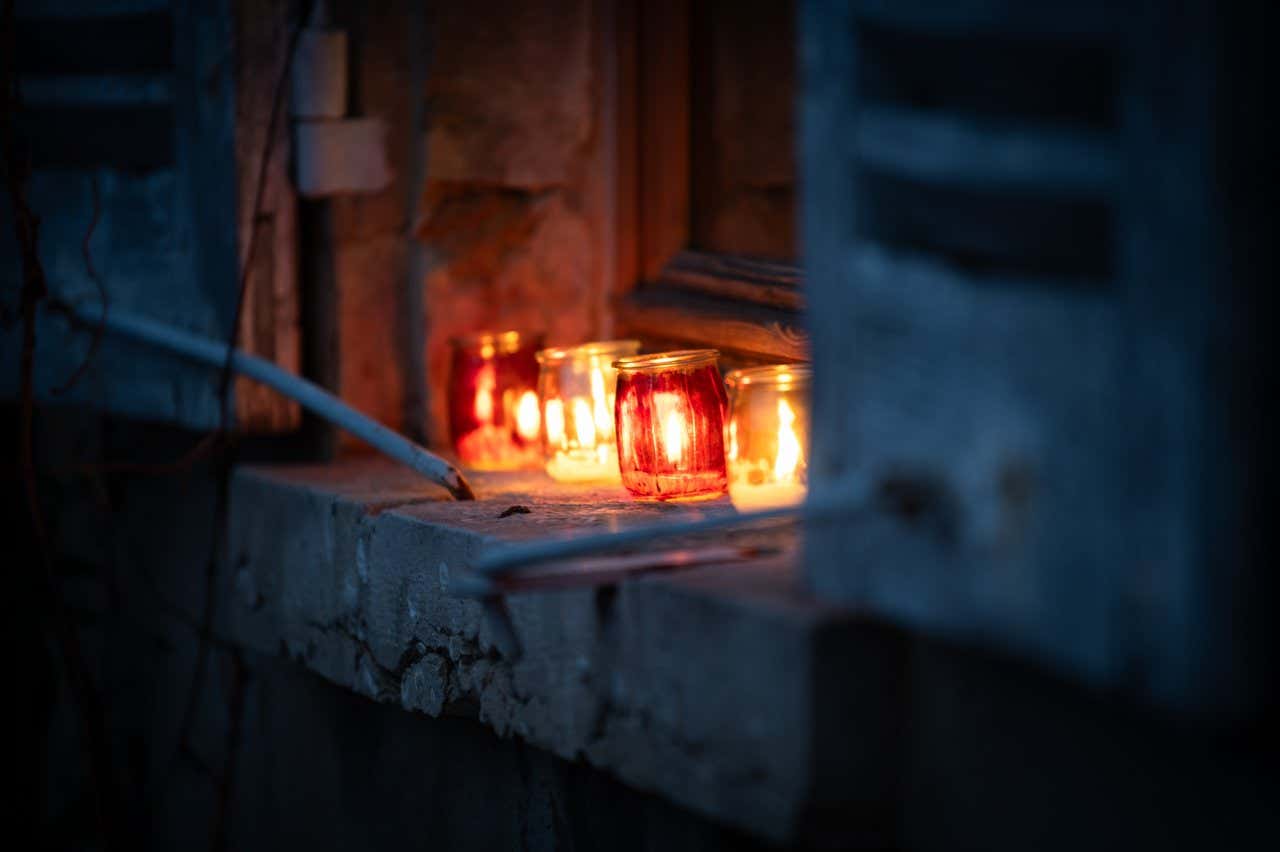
[[768, 436], [670, 411], [576, 385], [493, 400]]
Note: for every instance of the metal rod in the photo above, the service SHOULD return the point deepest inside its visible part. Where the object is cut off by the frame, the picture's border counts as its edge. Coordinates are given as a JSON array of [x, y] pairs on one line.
[[521, 557], [305, 393]]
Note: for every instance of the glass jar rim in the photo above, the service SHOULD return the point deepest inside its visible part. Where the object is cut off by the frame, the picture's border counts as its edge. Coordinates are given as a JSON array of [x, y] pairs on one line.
[[675, 358], [555, 354], [501, 341], [772, 374]]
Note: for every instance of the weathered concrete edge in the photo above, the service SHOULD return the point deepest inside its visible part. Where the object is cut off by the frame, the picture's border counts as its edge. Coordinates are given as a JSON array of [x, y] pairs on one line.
[[704, 696]]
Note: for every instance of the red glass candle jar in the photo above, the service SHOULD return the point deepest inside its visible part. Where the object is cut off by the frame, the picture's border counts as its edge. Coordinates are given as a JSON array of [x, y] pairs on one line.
[[493, 400], [669, 413]]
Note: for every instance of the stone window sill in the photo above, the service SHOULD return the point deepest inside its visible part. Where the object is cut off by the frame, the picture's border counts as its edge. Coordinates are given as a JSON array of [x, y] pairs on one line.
[[709, 685], [726, 689]]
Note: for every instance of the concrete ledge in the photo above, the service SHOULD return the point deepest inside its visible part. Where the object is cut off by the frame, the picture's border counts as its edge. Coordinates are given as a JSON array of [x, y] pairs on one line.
[[723, 689], [704, 685]]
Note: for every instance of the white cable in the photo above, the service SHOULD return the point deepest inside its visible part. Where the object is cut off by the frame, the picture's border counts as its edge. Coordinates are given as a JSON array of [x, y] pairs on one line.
[[305, 393]]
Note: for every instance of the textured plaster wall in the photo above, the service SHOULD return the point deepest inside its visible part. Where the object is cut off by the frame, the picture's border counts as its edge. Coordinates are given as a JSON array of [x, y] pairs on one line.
[[510, 212], [495, 204]]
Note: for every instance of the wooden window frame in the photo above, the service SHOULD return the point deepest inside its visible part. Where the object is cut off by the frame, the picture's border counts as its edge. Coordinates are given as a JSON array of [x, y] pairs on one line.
[[750, 309]]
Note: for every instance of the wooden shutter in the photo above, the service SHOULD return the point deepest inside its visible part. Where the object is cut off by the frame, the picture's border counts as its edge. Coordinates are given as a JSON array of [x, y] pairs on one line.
[[164, 107], [1016, 287]]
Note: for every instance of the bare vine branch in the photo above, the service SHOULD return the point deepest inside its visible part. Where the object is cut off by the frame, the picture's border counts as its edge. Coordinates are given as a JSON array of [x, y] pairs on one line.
[[98, 330], [34, 290]]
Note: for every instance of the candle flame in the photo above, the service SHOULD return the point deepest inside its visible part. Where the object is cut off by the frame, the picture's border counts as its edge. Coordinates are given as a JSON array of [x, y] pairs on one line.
[[789, 453], [553, 417], [583, 425], [673, 437], [670, 414], [527, 419], [486, 384]]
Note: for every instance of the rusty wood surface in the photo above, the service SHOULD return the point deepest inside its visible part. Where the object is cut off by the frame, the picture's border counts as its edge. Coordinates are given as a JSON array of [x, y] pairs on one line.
[[663, 314], [759, 282], [664, 133], [270, 323]]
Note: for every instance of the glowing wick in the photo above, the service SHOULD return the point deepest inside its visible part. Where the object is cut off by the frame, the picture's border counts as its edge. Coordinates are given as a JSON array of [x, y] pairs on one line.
[[669, 411], [527, 419], [788, 458]]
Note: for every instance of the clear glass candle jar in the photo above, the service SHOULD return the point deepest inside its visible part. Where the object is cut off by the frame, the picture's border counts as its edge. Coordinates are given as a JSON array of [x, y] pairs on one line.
[[669, 414], [768, 436], [493, 400], [576, 386]]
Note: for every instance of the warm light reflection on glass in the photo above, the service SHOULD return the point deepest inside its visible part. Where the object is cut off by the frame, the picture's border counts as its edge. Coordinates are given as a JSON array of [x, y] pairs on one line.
[[784, 468], [768, 436], [493, 405], [670, 423], [672, 418], [576, 385]]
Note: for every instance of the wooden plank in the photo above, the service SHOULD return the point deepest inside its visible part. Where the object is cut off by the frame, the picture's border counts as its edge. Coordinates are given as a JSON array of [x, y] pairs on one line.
[[984, 412], [116, 212], [957, 150], [160, 229], [664, 133], [270, 321], [97, 90], [988, 231], [1059, 473], [969, 403], [1084, 19], [668, 315], [759, 282], [131, 139], [626, 173], [1001, 77], [1197, 614], [86, 8], [130, 43]]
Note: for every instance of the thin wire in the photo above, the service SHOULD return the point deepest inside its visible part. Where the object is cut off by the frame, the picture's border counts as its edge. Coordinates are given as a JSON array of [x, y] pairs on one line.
[[85, 252], [223, 473], [85, 697]]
